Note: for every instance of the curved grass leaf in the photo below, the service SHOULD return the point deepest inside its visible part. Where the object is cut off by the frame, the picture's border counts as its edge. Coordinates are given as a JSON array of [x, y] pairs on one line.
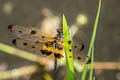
[[19, 53], [92, 42]]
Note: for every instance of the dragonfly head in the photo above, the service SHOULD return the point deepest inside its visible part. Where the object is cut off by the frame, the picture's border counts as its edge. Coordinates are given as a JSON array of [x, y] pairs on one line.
[[60, 32]]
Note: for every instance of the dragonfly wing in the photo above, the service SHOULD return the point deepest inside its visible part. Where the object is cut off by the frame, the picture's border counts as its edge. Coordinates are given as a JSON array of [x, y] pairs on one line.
[[77, 51], [28, 45], [29, 34], [78, 54]]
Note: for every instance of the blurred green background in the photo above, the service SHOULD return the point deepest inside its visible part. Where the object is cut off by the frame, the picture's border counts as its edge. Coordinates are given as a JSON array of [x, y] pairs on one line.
[[79, 13]]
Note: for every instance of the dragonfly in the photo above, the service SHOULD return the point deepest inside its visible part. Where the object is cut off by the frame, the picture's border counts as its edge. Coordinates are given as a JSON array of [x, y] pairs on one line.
[[41, 43]]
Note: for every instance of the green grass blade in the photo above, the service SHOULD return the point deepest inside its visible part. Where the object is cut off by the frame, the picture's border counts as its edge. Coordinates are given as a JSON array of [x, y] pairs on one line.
[[95, 29], [26, 70], [91, 65], [69, 56], [17, 52], [92, 42]]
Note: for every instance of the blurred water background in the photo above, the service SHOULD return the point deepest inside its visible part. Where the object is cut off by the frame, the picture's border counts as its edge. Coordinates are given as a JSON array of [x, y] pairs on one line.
[[80, 15]]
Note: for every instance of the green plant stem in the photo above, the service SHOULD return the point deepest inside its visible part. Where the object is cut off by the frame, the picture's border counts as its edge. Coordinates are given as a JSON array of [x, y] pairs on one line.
[[91, 65], [92, 42], [18, 72]]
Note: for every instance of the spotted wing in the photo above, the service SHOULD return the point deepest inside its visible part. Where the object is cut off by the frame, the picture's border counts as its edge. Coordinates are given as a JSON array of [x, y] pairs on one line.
[[78, 52], [29, 34], [30, 46]]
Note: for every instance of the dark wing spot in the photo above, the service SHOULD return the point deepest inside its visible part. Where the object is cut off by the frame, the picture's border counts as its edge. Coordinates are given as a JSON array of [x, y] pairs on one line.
[[20, 31], [33, 32], [69, 42], [70, 50], [33, 46], [37, 42], [43, 37], [61, 41], [24, 44], [82, 47], [10, 27], [75, 46], [79, 58], [14, 41]]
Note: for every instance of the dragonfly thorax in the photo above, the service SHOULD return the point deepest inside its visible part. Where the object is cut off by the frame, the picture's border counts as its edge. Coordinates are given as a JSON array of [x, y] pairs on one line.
[[59, 33]]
